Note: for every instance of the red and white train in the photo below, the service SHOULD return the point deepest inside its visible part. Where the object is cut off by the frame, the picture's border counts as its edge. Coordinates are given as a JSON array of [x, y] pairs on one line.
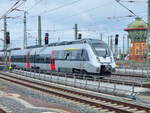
[[90, 56]]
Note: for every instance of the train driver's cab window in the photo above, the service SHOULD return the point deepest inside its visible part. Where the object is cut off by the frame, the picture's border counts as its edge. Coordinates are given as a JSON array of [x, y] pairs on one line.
[[101, 49]]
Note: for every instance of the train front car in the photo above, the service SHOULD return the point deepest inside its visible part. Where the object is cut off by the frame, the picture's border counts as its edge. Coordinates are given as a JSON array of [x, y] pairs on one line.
[[88, 56], [102, 58]]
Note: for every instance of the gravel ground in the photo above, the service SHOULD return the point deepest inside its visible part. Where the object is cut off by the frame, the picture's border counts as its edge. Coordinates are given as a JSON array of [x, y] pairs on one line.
[[16, 107]]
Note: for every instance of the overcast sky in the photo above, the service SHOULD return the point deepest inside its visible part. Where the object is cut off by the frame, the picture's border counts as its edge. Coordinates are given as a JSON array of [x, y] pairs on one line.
[[59, 16]]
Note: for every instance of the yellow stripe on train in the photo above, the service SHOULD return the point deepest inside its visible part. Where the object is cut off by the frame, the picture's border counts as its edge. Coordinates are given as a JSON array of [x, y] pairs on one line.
[[72, 49]]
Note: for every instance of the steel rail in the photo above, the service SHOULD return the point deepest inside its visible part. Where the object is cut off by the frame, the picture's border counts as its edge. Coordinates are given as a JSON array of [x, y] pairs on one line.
[[85, 100], [2, 111], [130, 75], [97, 78]]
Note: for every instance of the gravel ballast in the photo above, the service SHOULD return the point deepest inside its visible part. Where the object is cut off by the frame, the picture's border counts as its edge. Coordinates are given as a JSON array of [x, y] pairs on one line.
[[16, 107]]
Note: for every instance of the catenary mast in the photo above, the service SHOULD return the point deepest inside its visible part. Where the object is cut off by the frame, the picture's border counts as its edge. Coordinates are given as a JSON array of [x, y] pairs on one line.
[[148, 39]]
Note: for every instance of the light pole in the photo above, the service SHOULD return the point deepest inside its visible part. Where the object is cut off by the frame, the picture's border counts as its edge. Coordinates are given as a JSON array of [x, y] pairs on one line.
[[76, 31], [128, 51], [108, 41], [127, 44], [25, 30], [101, 36], [5, 45], [148, 34], [123, 45], [111, 43]]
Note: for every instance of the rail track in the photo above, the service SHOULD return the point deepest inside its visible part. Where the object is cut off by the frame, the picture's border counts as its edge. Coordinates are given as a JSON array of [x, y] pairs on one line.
[[2, 111], [115, 79], [75, 96], [130, 75], [126, 80], [130, 79]]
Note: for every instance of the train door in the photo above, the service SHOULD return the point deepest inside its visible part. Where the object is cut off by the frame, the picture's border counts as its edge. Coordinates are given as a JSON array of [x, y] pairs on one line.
[[82, 62], [34, 59], [28, 60], [52, 60], [3, 59], [9, 59]]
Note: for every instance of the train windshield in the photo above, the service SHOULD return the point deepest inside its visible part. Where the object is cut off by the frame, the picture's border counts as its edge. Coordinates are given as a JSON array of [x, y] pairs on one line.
[[101, 49]]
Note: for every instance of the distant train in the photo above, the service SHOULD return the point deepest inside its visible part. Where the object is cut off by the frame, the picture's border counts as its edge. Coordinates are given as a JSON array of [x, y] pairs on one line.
[[89, 56]]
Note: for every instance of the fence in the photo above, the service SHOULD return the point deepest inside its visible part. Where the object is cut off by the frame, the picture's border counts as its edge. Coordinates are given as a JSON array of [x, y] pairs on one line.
[[90, 83]]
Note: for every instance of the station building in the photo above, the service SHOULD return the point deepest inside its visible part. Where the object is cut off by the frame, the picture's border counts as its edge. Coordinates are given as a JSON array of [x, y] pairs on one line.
[[137, 33]]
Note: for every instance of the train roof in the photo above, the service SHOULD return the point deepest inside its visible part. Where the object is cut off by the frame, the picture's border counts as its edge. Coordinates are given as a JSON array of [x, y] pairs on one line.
[[81, 41], [78, 42], [8, 50]]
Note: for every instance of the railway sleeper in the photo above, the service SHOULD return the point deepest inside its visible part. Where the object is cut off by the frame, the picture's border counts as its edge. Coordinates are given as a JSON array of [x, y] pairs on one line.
[[111, 112], [125, 108], [134, 109], [142, 111], [104, 110], [73, 95], [137, 111], [105, 102], [119, 106]]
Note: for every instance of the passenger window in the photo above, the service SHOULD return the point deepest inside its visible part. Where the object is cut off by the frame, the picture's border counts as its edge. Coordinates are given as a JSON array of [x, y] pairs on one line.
[[78, 55], [25, 58], [37, 59], [63, 55], [57, 55], [85, 55], [72, 55], [69, 55], [47, 58]]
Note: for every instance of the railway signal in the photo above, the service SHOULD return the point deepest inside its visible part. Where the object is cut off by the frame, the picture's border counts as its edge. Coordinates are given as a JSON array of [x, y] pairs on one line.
[[7, 38], [46, 38], [116, 45], [116, 39], [80, 36]]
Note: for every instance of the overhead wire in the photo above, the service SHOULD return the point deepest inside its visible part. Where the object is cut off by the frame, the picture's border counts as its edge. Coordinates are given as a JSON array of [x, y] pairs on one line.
[[118, 1], [27, 10], [83, 12], [56, 8], [86, 11], [16, 5], [122, 17], [53, 9], [64, 5], [132, 1], [39, 1]]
